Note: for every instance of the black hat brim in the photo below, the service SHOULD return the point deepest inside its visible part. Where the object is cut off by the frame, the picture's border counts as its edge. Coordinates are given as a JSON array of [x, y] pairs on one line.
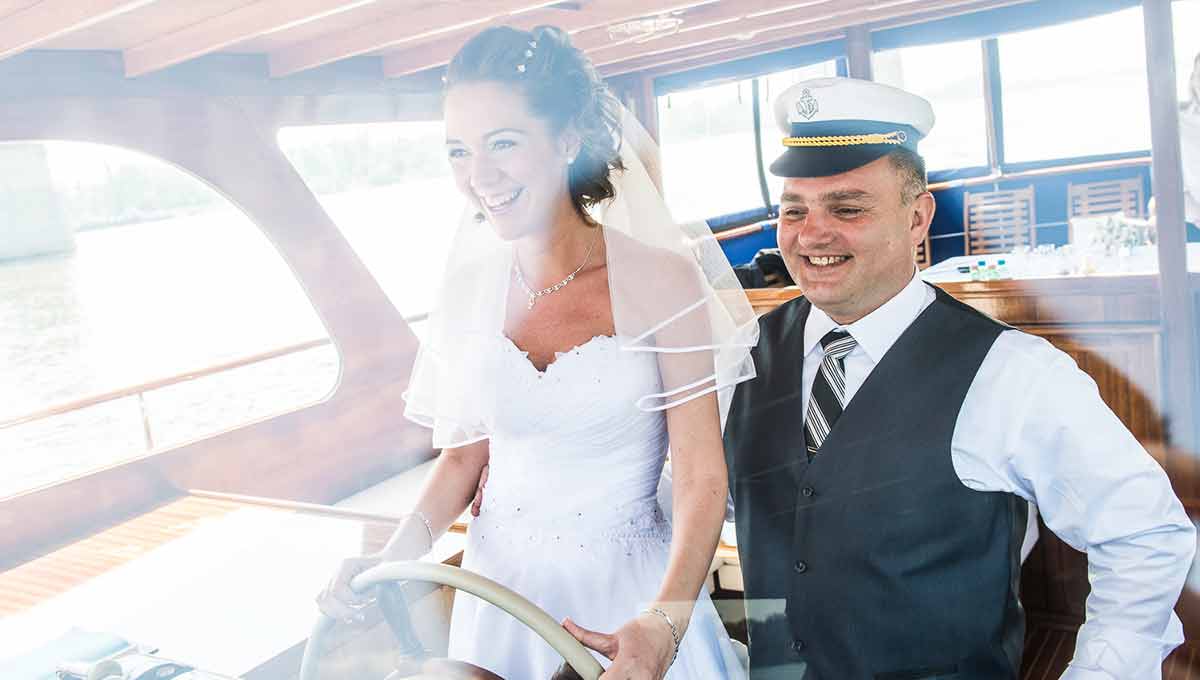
[[826, 161]]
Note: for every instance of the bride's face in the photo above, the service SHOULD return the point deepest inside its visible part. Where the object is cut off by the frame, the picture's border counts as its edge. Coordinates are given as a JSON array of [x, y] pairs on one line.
[[506, 159]]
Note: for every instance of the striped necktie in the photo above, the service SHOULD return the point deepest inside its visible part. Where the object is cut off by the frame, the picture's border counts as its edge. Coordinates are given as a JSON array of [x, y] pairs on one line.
[[829, 390]]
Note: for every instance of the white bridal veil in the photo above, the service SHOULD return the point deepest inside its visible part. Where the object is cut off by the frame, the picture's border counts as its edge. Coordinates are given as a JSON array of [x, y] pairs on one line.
[[673, 293]]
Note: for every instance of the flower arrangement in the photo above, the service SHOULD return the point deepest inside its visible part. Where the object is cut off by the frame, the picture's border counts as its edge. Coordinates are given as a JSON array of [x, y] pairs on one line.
[[1118, 233]]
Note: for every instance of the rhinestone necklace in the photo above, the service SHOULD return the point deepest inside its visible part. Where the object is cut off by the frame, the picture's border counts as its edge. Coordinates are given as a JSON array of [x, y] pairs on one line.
[[535, 294]]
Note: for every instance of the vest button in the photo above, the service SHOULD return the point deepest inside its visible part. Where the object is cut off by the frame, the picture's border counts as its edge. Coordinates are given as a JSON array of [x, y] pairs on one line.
[[798, 646], [800, 566], [807, 491]]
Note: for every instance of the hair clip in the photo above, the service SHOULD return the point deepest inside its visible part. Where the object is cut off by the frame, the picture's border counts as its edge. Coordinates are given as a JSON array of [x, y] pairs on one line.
[[528, 55]]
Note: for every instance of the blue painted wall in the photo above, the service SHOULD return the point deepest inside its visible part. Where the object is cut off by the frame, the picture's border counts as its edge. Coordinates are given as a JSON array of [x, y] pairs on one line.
[[742, 250]]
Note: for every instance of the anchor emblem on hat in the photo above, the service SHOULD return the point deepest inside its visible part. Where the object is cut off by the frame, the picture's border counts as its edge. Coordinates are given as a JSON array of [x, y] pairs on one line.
[[806, 105]]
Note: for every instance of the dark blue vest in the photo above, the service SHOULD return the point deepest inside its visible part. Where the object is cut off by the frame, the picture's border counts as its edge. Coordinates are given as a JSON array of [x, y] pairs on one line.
[[873, 560]]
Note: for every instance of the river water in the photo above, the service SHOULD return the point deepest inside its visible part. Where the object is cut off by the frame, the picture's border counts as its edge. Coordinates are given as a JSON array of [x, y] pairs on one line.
[[143, 302]]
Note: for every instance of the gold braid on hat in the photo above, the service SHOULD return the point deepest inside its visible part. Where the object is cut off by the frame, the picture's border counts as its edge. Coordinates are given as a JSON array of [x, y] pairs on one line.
[[897, 138]]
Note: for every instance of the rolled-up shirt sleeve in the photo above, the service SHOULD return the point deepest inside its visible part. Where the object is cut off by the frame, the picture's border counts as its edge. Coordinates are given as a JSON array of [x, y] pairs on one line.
[[1095, 487]]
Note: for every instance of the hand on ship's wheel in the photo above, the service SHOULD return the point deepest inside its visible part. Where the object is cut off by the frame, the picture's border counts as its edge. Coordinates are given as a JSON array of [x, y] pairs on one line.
[[579, 662]]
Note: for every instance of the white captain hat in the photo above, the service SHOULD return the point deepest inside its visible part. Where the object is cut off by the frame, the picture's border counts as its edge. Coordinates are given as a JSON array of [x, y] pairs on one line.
[[833, 125]]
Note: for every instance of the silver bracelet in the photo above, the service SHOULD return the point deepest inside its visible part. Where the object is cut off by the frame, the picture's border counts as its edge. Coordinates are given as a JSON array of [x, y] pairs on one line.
[[428, 525], [674, 630]]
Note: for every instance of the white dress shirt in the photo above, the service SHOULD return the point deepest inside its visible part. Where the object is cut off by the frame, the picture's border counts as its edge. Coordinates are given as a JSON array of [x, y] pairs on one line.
[[1033, 424]]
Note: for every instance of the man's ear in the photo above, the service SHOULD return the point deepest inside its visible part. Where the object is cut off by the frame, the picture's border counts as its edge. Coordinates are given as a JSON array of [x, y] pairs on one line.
[[921, 216]]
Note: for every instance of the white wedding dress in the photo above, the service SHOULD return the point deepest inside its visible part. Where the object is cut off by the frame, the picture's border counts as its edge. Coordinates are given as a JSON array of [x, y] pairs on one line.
[[570, 517]]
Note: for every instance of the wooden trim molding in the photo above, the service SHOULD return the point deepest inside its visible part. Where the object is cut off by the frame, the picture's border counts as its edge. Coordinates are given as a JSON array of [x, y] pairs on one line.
[[230, 28], [50, 19]]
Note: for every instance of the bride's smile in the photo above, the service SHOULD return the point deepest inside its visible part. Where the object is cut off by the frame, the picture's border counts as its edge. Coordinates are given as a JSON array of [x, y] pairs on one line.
[[510, 162]]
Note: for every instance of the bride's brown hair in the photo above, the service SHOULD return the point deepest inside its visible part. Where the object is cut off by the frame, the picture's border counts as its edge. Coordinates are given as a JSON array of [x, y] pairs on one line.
[[560, 86]]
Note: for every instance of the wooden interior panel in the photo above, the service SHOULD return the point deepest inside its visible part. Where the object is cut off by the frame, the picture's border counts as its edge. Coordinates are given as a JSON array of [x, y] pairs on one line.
[[1050, 644], [586, 23], [323, 452], [421, 22], [416, 35], [1048, 650], [8, 7], [357, 14], [38, 580], [227, 30], [143, 24], [1125, 363]]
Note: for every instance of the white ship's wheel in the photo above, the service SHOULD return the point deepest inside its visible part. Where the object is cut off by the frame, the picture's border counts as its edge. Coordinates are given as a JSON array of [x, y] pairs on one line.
[[396, 613]]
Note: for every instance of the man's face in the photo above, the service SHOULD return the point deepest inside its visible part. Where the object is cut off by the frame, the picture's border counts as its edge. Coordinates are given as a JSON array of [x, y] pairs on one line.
[[849, 240]]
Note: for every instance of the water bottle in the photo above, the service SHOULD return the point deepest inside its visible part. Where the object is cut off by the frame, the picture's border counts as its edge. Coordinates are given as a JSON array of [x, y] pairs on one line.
[[979, 271], [1002, 270]]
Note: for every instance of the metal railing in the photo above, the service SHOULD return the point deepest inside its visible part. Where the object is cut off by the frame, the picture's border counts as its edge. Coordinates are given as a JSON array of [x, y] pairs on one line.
[[139, 391]]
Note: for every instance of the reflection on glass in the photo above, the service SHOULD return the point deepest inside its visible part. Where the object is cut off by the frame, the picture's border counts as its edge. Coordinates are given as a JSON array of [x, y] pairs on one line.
[[707, 140], [769, 87], [149, 276], [950, 76], [387, 187], [1186, 16], [1089, 98]]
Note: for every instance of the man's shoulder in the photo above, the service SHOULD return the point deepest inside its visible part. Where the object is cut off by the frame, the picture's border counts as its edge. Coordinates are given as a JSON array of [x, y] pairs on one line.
[[1031, 352], [965, 311], [1022, 355], [785, 314], [780, 342]]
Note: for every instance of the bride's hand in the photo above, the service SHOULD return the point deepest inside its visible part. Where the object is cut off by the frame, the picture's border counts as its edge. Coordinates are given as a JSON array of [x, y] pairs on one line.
[[642, 649], [477, 502], [337, 600]]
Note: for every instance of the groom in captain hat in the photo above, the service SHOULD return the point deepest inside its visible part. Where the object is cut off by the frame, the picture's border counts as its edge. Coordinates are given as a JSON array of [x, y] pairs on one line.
[[883, 462]]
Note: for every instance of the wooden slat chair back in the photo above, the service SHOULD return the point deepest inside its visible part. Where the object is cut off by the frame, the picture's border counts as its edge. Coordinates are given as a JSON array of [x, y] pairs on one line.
[[923, 256], [1094, 199], [998, 221], [1106, 198]]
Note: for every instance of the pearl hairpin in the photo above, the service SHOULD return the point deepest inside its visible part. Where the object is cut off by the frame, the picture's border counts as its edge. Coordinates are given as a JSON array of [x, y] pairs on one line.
[[528, 55]]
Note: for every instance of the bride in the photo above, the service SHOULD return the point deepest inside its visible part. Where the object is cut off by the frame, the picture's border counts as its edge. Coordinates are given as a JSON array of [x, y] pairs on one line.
[[579, 334]]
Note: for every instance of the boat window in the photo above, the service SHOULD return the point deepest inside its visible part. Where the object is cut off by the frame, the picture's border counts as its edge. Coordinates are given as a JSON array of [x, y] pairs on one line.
[[388, 188], [769, 87], [950, 76], [139, 310], [1186, 16], [1089, 99], [708, 156]]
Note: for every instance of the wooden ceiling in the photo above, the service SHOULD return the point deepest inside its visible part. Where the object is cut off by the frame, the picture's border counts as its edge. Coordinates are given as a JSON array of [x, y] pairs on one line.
[[411, 36]]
